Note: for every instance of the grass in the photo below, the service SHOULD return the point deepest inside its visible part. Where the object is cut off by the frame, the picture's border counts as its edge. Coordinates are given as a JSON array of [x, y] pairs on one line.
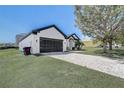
[[19, 71], [115, 53]]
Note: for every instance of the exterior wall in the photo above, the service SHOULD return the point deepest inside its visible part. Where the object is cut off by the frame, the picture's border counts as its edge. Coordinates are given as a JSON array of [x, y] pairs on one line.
[[36, 44], [64, 45], [27, 42], [70, 43], [51, 33]]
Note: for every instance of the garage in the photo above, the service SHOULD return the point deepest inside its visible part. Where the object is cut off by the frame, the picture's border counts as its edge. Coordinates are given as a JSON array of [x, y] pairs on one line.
[[50, 45], [47, 39]]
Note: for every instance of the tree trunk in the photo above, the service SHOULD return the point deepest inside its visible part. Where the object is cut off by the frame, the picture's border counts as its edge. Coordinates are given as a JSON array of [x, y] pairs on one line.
[[122, 44], [110, 45], [104, 46]]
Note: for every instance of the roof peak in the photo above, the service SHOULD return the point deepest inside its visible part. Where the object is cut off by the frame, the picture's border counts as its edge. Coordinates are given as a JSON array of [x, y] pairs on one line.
[[47, 27], [35, 31]]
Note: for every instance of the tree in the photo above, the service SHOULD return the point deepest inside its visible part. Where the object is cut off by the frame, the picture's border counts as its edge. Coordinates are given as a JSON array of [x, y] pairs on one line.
[[120, 38], [78, 44], [100, 22]]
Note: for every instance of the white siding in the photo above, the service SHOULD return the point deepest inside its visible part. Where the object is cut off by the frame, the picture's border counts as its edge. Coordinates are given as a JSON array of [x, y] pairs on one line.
[[36, 44], [52, 33], [70, 43], [34, 40], [27, 42]]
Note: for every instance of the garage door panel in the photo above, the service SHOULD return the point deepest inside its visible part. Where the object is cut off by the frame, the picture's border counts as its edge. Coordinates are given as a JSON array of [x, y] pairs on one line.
[[50, 45]]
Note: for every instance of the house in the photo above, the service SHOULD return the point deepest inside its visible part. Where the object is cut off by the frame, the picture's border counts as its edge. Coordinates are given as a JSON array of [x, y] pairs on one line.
[[19, 37], [48, 39]]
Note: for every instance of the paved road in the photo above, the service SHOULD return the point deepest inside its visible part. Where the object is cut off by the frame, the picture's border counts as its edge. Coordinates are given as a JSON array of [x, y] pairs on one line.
[[106, 65]]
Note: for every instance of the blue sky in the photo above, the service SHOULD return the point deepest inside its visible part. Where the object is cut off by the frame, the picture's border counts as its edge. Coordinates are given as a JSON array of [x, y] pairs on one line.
[[23, 19]]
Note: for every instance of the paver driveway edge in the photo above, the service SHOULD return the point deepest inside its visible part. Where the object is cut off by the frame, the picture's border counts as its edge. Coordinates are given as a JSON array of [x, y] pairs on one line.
[[106, 65]]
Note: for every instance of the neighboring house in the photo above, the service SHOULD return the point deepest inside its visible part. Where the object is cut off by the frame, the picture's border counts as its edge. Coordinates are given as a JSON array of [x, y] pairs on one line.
[[114, 45], [48, 39], [19, 37]]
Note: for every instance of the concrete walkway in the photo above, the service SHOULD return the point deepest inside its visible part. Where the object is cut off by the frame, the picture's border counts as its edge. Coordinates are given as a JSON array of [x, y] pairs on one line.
[[106, 65]]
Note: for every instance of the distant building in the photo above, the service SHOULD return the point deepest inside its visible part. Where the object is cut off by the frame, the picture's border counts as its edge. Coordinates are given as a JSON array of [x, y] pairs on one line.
[[19, 37]]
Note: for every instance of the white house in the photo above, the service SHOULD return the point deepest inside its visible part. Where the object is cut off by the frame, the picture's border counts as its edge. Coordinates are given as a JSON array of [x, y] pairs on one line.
[[48, 39]]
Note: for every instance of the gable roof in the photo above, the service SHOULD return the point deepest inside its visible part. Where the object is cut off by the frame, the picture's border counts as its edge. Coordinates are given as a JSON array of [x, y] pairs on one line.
[[35, 31], [50, 26], [74, 36]]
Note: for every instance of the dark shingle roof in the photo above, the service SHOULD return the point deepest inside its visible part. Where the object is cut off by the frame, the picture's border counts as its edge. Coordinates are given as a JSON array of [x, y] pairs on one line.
[[35, 31], [74, 36]]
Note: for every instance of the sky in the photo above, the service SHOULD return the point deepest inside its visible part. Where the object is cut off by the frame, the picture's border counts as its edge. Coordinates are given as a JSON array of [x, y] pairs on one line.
[[23, 19]]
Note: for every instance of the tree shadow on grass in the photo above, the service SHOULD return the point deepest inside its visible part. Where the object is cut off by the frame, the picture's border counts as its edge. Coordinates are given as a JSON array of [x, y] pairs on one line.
[[83, 49], [115, 53]]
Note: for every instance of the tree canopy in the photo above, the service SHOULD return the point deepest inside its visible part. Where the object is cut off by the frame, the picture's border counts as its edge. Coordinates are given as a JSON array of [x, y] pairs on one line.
[[101, 22]]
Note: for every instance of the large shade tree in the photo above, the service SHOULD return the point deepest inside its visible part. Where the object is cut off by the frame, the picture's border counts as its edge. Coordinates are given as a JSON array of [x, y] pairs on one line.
[[100, 22], [120, 38]]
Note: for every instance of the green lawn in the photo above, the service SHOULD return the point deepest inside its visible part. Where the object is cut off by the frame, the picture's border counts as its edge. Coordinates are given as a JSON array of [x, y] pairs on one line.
[[115, 53], [17, 70]]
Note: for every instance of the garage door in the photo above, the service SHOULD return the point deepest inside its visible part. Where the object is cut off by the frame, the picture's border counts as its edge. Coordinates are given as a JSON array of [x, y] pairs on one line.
[[50, 45]]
